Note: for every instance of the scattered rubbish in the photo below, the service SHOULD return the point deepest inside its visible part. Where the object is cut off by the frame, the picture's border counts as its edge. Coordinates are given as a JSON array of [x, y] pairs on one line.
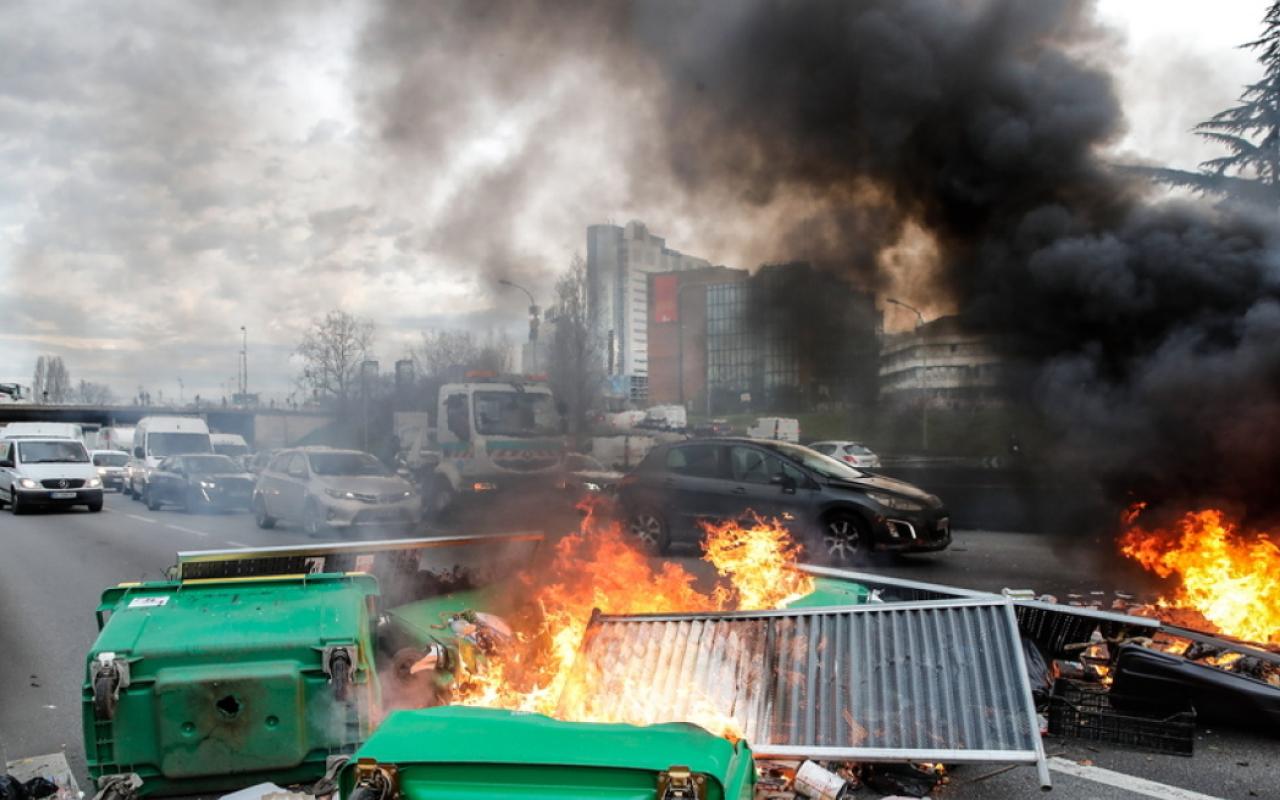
[[1087, 711], [907, 780], [1144, 674], [42, 777], [266, 791], [818, 783], [1038, 672], [11, 788]]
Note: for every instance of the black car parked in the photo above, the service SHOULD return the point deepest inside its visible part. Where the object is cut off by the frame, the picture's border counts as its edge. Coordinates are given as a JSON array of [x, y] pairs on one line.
[[199, 481], [833, 507]]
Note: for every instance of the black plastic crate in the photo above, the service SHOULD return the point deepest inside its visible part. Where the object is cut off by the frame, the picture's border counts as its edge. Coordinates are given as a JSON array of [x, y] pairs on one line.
[[1086, 711]]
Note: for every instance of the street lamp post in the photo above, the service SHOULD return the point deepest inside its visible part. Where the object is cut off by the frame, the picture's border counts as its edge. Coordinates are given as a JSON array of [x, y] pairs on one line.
[[533, 320], [244, 364], [924, 368]]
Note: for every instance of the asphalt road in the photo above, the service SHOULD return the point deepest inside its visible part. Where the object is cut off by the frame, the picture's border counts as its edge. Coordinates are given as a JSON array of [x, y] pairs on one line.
[[54, 566]]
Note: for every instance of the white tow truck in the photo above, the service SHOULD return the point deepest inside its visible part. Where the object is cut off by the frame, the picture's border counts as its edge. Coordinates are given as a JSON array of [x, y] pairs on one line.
[[494, 436]]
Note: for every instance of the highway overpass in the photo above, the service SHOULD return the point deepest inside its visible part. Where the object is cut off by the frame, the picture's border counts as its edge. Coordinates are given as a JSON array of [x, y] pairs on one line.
[[262, 427]]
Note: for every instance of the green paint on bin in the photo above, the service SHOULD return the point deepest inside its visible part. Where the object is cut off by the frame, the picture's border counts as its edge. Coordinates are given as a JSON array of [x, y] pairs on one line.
[[227, 681], [486, 754]]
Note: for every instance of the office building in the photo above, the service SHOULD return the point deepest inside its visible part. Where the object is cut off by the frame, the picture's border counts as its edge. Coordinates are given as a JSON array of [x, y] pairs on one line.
[[619, 262]]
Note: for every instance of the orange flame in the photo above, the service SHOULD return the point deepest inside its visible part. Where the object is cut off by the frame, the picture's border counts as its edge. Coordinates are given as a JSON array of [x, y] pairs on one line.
[[1231, 578], [598, 568]]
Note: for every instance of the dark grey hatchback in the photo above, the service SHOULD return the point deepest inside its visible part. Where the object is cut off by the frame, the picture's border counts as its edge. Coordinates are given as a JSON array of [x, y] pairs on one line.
[[833, 508]]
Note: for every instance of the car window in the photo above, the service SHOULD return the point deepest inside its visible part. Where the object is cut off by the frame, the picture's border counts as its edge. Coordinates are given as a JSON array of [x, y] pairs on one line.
[[340, 463], [750, 465], [825, 449], [280, 463], [209, 464], [110, 459], [297, 465], [698, 460], [455, 409], [858, 450]]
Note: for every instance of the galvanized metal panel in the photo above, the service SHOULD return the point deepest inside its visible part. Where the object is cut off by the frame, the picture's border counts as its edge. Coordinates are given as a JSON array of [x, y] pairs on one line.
[[928, 681]]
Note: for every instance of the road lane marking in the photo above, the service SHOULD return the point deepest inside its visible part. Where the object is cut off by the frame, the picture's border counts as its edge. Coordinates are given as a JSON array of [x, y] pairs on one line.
[[187, 530], [141, 519], [238, 544], [1130, 783]]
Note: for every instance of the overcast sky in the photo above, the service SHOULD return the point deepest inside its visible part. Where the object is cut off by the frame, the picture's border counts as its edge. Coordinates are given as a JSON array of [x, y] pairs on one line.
[[173, 171]]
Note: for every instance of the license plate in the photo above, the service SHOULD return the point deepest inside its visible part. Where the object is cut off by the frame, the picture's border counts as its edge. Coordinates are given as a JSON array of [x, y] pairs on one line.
[[62, 495]]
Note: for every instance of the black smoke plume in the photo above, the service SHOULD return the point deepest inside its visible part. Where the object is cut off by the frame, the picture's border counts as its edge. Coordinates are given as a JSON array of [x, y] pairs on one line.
[[1153, 328]]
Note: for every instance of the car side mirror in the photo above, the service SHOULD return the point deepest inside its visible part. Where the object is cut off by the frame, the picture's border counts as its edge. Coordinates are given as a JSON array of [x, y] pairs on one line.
[[138, 452], [6, 463]]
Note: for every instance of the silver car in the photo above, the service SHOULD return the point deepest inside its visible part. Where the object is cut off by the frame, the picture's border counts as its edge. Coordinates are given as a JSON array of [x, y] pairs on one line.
[[325, 489]]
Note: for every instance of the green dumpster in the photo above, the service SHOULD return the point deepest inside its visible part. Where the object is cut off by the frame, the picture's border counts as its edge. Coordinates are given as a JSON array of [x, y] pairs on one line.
[[207, 685], [487, 754]]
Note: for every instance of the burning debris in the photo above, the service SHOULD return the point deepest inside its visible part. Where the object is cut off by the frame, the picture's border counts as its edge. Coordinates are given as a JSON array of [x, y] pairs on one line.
[[1227, 579], [597, 570]]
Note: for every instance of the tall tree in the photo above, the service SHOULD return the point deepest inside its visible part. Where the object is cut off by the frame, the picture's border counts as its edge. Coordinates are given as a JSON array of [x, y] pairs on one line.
[[332, 350], [93, 394], [1250, 131], [449, 353], [576, 353], [51, 382]]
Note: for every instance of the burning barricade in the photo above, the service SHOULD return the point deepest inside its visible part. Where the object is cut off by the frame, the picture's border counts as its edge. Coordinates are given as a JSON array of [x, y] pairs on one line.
[[812, 674]]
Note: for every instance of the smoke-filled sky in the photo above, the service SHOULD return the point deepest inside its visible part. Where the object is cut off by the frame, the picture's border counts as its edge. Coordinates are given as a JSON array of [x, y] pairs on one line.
[[176, 170]]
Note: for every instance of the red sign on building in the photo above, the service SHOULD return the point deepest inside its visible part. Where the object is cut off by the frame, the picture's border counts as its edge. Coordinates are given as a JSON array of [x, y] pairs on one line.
[[666, 304]]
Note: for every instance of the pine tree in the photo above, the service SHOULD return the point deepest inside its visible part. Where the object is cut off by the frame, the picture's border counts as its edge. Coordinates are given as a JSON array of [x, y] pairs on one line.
[[1250, 131]]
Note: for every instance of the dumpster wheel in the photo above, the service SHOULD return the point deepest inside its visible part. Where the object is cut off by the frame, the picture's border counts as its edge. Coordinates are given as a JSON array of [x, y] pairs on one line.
[[104, 696]]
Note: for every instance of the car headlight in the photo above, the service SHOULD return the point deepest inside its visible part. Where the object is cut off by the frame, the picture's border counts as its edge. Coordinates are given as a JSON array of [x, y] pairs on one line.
[[592, 487], [208, 485], [94, 483], [27, 483], [896, 502], [340, 494], [102, 470], [408, 493]]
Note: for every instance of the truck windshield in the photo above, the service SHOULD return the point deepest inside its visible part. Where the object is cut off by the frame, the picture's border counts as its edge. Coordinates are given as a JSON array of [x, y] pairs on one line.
[[110, 459], [515, 414], [52, 453], [160, 445], [345, 464]]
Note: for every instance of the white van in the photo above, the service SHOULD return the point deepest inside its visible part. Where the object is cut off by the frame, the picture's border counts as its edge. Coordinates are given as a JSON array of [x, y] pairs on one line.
[[780, 429], [157, 438], [47, 471], [43, 430], [230, 444], [116, 437]]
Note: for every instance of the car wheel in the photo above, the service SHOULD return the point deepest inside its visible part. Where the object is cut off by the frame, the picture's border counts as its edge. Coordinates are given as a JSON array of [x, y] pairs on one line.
[[16, 505], [150, 500], [649, 530], [95, 507], [844, 534], [260, 515], [191, 504], [311, 521], [134, 493]]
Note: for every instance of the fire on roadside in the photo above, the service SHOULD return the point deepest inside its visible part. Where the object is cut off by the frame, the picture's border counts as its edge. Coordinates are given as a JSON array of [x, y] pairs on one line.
[[597, 568], [1227, 576]]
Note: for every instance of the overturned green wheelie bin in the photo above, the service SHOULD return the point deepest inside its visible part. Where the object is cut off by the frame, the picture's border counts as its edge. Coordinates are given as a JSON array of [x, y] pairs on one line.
[[204, 685], [487, 754]]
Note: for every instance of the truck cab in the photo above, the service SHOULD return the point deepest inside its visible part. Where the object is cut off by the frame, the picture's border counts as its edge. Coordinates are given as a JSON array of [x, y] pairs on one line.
[[492, 435]]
